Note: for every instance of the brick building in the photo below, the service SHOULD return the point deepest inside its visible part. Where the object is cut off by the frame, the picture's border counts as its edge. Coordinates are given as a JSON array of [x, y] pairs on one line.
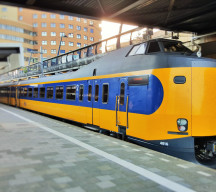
[[38, 29]]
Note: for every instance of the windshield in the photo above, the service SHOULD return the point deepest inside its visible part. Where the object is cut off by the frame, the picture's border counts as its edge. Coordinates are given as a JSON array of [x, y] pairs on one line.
[[176, 47]]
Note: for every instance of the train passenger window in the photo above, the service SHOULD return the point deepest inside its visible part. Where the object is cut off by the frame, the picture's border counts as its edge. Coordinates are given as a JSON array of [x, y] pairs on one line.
[[96, 92], [42, 92], [105, 93], [122, 94], [81, 90], [21, 91], [59, 92], [29, 92], [25, 92], [35, 94], [71, 92], [153, 47], [89, 92], [49, 92]]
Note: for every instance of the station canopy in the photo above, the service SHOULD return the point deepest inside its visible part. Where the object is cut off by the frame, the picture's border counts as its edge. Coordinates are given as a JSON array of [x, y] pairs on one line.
[[174, 15]]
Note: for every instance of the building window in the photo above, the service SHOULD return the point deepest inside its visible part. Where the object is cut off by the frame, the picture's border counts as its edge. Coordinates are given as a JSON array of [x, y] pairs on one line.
[[59, 92], [91, 30], [62, 34], [4, 9], [43, 16], [62, 42], [85, 29], [29, 92], [81, 91], [20, 9], [85, 45], [71, 44], [105, 93], [52, 25], [62, 25], [122, 93], [89, 92], [52, 16], [43, 25], [91, 38], [35, 95], [78, 28], [61, 16], [78, 19], [44, 42], [85, 20], [70, 26], [53, 51], [20, 18], [43, 33], [70, 17], [71, 92], [53, 42], [78, 44], [91, 22], [96, 92], [35, 16], [78, 36], [42, 92], [70, 35], [35, 25], [49, 92], [53, 34], [44, 51], [85, 37]]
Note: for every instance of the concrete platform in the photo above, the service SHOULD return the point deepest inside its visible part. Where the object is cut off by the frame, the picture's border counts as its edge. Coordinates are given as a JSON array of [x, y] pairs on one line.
[[41, 154]]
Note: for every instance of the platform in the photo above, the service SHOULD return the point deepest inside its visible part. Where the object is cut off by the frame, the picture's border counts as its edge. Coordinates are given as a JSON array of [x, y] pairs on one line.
[[42, 154]]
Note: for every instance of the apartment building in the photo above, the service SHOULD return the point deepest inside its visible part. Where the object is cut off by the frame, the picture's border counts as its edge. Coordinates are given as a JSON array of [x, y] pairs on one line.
[[51, 28], [38, 29]]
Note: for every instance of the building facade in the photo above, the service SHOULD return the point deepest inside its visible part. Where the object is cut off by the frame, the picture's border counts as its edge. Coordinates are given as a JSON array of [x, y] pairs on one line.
[[38, 30], [51, 28], [12, 31]]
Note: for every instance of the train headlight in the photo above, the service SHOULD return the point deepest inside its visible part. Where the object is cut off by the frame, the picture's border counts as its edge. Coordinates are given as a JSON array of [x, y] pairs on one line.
[[182, 125]]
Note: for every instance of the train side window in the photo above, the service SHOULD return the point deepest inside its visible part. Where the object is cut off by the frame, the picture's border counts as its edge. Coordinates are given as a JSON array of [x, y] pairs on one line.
[[105, 94], [25, 91], [42, 92], [22, 91], [96, 92], [153, 47], [71, 92], [29, 92], [49, 92], [122, 94], [59, 92], [81, 90], [89, 92], [35, 94]]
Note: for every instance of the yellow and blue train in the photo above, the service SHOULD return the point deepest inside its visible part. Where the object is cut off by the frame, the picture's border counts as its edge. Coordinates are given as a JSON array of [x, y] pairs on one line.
[[157, 93]]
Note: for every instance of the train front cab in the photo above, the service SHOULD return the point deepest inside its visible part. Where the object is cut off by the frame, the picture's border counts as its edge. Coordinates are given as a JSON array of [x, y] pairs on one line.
[[204, 111]]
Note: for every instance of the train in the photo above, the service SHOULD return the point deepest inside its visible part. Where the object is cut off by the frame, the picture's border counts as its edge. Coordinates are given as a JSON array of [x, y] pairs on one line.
[[158, 94]]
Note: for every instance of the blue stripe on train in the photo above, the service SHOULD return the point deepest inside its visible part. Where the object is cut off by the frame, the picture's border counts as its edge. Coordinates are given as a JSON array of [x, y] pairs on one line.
[[143, 99]]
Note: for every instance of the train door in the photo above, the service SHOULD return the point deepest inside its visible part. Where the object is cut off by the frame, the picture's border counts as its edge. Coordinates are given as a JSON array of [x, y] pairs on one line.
[[9, 95], [89, 114], [17, 97], [96, 102], [122, 104]]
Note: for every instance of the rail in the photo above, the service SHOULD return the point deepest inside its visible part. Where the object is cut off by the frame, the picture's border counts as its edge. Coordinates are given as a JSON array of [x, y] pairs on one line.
[[70, 61]]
